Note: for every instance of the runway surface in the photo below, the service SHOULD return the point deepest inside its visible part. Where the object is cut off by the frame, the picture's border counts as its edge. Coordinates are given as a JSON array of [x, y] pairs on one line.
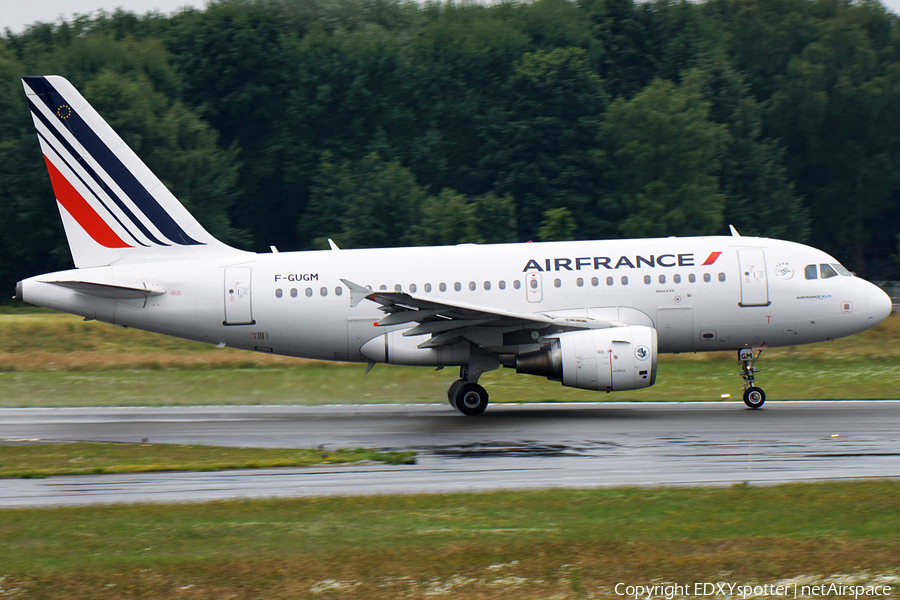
[[511, 446]]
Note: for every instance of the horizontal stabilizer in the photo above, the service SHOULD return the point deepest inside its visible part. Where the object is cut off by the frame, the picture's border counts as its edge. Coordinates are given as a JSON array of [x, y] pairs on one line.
[[105, 290]]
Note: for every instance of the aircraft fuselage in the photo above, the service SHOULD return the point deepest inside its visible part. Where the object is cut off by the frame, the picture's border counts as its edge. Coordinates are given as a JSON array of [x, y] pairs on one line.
[[701, 294]]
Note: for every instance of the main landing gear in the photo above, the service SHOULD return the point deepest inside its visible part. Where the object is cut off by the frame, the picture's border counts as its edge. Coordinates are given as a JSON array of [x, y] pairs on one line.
[[754, 397], [466, 396]]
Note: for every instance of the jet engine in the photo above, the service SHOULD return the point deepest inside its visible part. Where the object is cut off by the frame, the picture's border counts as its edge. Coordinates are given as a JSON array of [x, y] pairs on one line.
[[613, 359]]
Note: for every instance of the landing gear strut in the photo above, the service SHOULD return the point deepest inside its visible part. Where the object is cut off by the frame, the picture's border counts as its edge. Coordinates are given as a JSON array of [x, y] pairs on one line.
[[466, 396], [754, 397]]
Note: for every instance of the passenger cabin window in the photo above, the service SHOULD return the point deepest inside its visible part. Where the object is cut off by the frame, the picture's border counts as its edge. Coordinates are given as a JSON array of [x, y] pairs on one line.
[[338, 291], [517, 284], [487, 285], [676, 278], [624, 280], [609, 281], [398, 288], [647, 279], [595, 282], [706, 277], [692, 278], [579, 282], [827, 271], [293, 292], [557, 283], [472, 286], [427, 287], [308, 292], [443, 287], [383, 288], [323, 292], [811, 272], [662, 278], [721, 276], [278, 293], [412, 288], [457, 286], [534, 284], [502, 285]]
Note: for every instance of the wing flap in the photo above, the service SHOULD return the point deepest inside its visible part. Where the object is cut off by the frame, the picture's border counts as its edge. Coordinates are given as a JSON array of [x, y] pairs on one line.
[[424, 308], [442, 326], [448, 321]]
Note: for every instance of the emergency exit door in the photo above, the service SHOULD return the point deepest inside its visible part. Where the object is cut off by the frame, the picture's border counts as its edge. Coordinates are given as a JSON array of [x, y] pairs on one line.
[[533, 287], [754, 284], [238, 306]]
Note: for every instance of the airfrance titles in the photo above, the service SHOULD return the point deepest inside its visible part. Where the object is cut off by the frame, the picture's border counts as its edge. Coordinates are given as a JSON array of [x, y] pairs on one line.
[[596, 263]]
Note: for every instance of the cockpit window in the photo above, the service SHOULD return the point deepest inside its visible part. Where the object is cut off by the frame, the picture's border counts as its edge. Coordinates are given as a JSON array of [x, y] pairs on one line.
[[827, 271], [811, 272], [840, 269]]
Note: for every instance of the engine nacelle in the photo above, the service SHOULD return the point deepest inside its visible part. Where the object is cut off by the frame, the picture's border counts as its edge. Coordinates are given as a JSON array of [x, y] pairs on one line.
[[613, 359]]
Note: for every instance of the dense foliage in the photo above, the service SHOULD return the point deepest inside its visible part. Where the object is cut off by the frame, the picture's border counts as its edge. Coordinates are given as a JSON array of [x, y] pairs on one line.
[[386, 122]]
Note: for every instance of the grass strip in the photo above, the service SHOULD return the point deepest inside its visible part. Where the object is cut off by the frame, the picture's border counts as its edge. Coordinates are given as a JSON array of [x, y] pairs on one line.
[[554, 543], [678, 379], [50, 359], [44, 340], [82, 458]]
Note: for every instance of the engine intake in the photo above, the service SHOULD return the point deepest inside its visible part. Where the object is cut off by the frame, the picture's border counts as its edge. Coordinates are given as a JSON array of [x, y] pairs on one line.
[[614, 359]]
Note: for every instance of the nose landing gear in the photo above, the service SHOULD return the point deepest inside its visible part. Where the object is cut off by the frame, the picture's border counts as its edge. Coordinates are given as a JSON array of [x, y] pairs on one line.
[[754, 397]]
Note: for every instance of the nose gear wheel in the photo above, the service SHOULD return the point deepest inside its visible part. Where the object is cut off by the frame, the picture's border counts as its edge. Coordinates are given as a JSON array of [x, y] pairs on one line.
[[754, 397]]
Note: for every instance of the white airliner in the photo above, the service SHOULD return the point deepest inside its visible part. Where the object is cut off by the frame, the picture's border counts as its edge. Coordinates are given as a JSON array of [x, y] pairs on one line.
[[590, 314]]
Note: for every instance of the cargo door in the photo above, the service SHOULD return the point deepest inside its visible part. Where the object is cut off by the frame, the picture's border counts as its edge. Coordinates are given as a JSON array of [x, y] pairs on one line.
[[238, 305], [754, 285], [675, 327], [359, 331]]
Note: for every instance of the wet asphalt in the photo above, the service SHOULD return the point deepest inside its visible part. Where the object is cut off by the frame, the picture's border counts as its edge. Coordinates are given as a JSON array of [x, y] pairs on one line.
[[510, 446]]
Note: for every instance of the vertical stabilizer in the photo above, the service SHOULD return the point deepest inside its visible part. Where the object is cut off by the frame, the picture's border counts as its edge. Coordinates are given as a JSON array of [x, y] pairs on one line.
[[112, 206]]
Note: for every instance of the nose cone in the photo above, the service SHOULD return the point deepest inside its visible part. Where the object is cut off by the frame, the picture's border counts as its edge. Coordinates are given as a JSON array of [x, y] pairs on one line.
[[879, 306]]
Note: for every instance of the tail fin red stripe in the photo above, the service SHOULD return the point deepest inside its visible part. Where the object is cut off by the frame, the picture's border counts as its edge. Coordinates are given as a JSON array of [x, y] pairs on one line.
[[81, 211]]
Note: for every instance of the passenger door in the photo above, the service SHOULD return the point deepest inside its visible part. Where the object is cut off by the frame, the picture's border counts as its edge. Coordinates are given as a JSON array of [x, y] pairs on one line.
[[238, 306], [754, 284]]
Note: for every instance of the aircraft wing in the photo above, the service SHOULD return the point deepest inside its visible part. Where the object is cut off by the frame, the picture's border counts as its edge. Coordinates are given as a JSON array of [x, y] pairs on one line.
[[448, 321]]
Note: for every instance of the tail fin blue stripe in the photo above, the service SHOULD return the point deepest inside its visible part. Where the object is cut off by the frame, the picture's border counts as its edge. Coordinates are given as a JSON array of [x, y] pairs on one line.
[[96, 177], [112, 165], [89, 188]]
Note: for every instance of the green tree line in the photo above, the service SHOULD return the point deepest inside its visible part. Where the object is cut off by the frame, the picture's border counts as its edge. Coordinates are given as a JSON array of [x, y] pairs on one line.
[[387, 122]]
